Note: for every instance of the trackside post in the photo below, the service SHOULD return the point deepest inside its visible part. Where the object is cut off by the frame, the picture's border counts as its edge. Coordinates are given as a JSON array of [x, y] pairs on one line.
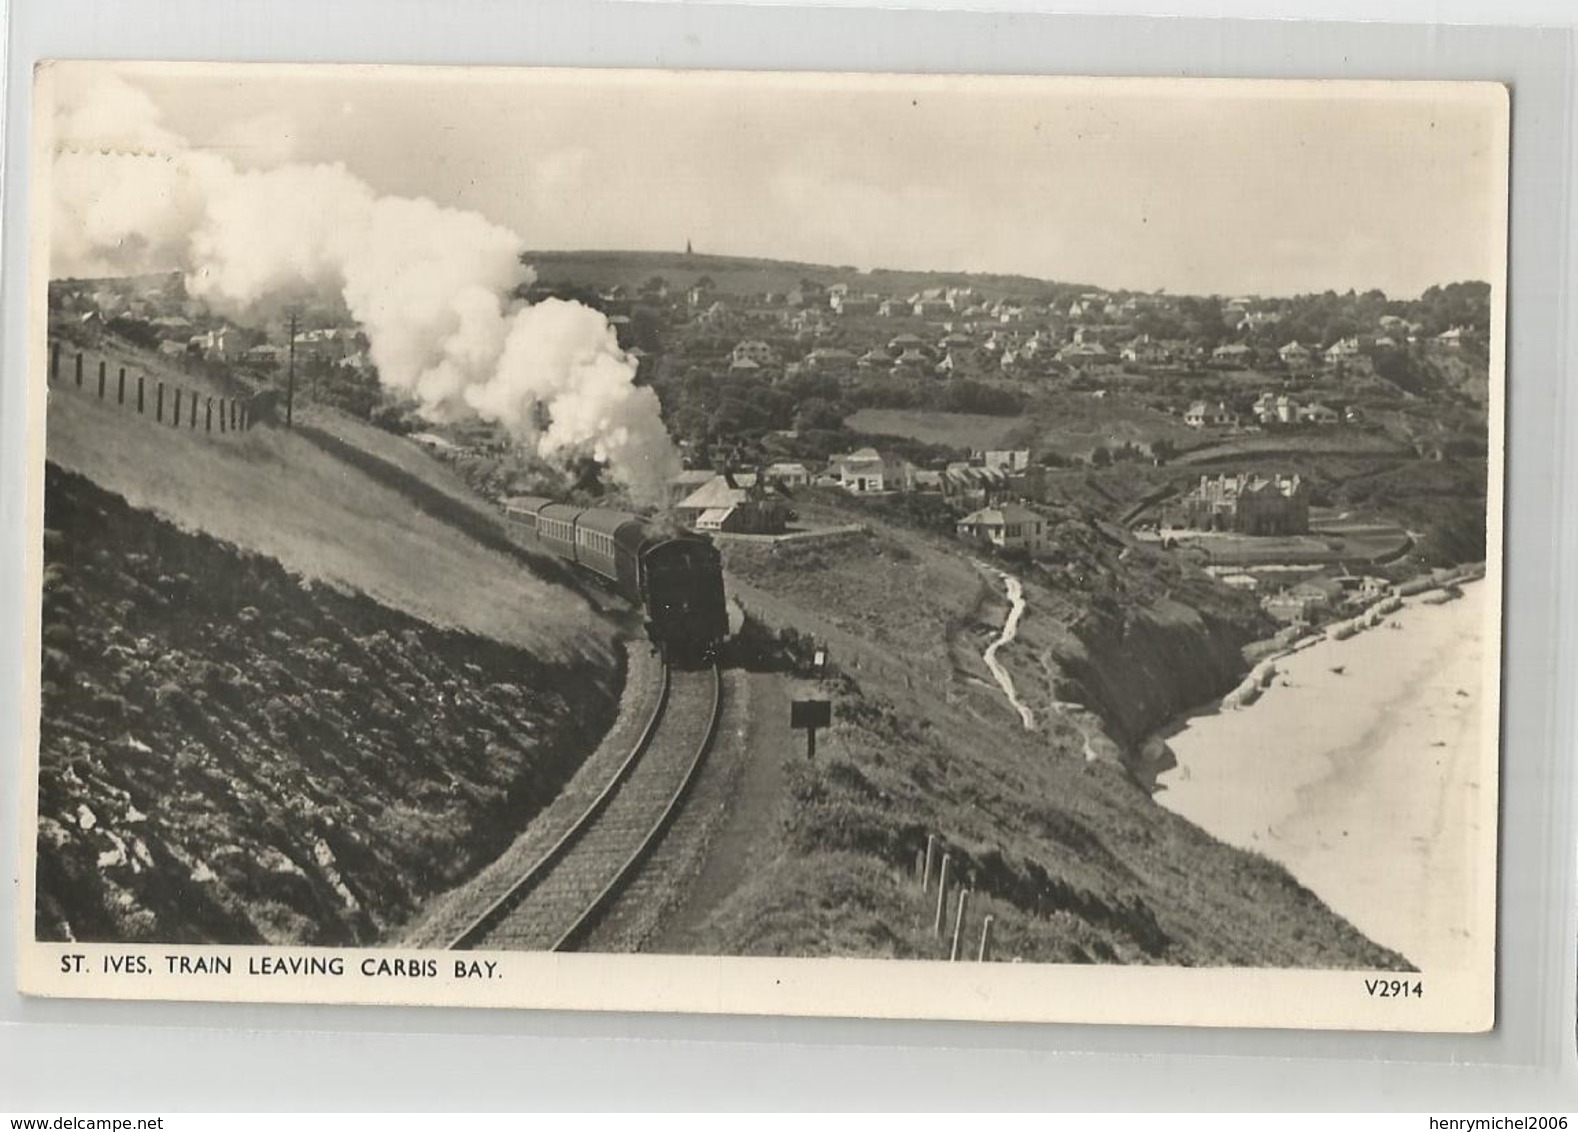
[[942, 895], [958, 924]]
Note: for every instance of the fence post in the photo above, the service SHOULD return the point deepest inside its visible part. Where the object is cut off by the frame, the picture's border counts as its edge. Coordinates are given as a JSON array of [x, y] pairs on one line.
[[193, 397], [942, 895], [79, 369], [920, 867], [931, 855], [175, 417], [223, 409], [120, 387], [958, 924], [208, 415], [54, 362], [246, 418], [986, 940], [101, 379], [158, 403]]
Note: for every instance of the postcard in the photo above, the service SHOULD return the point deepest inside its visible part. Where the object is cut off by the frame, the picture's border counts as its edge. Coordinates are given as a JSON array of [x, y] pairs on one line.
[[947, 546]]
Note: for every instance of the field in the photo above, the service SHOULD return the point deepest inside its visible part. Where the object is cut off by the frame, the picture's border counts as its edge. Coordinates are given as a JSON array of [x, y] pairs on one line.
[[974, 431], [1070, 424], [1356, 545], [1074, 424], [1334, 441]]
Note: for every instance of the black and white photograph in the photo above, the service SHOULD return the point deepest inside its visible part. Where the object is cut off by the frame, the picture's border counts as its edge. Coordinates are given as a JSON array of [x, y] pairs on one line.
[[920, 546]]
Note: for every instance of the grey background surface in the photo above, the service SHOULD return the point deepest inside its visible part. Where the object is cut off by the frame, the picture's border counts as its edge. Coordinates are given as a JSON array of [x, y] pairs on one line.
[[87, 1056]]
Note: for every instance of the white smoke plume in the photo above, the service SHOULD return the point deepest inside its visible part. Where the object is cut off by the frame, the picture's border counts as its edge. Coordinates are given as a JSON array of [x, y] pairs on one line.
[[432, 287]]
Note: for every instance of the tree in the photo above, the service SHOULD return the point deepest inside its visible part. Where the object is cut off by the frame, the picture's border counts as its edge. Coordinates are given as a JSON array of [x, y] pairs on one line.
[[646, 329], [817, 413]]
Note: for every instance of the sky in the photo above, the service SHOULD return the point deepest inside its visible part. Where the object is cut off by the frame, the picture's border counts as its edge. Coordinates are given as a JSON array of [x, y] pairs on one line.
[[1201, 187]]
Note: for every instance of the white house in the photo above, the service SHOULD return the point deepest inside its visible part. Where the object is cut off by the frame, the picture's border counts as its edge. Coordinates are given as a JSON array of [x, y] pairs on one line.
[[1202, 415], [1233, 353], [1294, 355], [1342, 350], [1008, 525], [867, 471], [790, 474]]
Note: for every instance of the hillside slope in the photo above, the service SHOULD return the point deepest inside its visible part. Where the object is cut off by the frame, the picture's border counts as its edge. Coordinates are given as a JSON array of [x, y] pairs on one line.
[[1067, 852], [233, 754]]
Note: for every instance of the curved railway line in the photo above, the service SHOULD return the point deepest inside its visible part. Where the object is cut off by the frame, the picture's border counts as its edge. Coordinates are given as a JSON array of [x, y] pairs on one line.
[[561, 898]]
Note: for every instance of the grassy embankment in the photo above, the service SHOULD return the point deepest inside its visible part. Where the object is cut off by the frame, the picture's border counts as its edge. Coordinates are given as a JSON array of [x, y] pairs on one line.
[[285, 700], [281, 495], [1071, 857]]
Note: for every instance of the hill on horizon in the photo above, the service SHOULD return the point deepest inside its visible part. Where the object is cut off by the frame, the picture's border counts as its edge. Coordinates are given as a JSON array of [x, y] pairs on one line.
[[753, 275]]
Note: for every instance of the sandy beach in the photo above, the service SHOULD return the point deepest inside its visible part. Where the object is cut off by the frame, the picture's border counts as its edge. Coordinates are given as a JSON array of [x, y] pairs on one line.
[[1374, 785]]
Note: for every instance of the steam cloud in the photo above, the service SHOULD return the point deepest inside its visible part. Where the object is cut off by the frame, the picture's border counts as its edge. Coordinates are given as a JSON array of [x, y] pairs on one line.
[[430, 286]]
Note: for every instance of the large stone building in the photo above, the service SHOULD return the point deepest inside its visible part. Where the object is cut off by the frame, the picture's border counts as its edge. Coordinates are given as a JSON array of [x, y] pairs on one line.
[[1249, 504]]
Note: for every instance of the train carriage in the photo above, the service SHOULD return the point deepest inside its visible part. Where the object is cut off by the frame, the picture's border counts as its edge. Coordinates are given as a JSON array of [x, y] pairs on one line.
[[609, 543], [556, 528], [520, 515]]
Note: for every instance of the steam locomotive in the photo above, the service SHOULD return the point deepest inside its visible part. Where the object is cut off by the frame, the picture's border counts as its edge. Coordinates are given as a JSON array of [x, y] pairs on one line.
[[675, 578]]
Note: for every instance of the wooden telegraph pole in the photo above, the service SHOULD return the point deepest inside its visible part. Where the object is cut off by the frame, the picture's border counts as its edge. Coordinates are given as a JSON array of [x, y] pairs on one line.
[[290, 376]]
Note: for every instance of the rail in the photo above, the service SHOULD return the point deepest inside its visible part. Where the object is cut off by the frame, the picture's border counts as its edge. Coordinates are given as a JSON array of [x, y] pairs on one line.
[[490, 916], [497, 917], [578, 931]]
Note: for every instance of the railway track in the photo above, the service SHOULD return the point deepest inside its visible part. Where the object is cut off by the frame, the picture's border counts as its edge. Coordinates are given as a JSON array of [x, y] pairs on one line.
[[557, 902]]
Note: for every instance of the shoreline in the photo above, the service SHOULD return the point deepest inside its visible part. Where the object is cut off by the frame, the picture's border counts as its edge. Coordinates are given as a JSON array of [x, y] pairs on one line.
[[1360, 771]]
